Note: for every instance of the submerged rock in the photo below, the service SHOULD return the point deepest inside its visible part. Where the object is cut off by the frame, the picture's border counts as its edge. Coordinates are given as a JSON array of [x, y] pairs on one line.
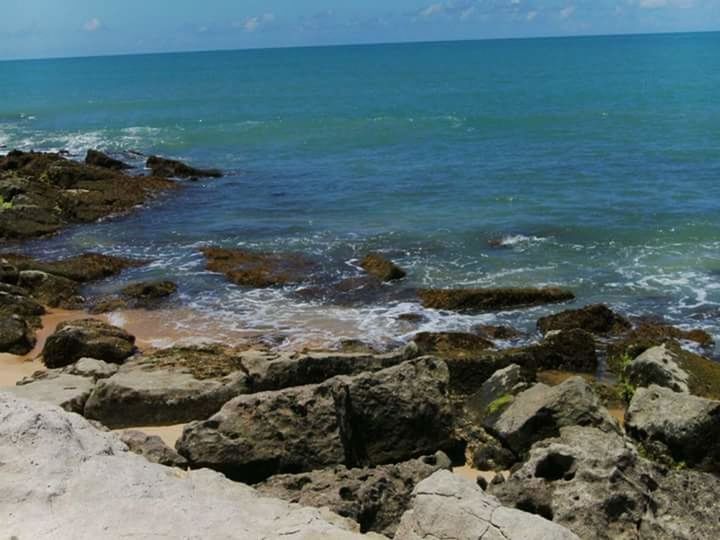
[[150, 290], [259, 270], [479, 300], [375, 497], [648, 334], [98, 159], [87, 338], [383, 269], [170, 168], [81, 268], [596, 319]]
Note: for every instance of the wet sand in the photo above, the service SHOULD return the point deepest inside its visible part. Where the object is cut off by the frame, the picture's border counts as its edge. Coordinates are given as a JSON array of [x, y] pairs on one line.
[[468, 472]]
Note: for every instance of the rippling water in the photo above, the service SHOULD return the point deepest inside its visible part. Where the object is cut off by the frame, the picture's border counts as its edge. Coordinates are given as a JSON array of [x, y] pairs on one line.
[[594, 161]]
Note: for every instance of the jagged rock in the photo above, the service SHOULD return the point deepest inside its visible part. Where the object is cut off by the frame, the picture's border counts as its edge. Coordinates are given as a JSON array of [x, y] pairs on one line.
[[81, 268], [370, 419], [95, 369], [375, 497], [152, 448], [566, 350], [596, 319], [658, 366], [99, 159], [150, 290], [499, 388], [168, 387], [51, 290], [539, 413], [453, 508], [479, 300], [62, 478], [688, 426], [171, 168], [383, 269], [16, 337], [87, 338], [64, 390], [595, 483], [259, 270]]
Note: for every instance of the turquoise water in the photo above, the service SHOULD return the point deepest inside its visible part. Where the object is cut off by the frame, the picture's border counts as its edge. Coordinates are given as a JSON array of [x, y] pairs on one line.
[[595, 160]]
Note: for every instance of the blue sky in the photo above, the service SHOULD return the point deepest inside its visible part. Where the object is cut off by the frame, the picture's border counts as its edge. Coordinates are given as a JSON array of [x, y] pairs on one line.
[[48, 28]]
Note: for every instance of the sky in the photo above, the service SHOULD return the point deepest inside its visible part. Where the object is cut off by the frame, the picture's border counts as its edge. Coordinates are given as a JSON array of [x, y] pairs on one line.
[[55, 28]]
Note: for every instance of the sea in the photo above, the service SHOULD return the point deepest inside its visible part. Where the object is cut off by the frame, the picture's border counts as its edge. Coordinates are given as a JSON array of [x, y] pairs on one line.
[[591, 163]]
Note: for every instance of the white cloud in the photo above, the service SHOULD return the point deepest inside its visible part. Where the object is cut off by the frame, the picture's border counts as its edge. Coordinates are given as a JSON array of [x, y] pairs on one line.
[[567, 12], [531, 15], [251, 24], [93, 25], [432, 9], [467, 13]]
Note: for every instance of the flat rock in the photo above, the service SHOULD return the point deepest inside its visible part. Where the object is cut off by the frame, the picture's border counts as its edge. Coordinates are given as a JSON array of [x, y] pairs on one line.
[[90, 367], [56, 471], [448, 507], [375, 497], [81, 268], [74, 340], [480, 300], [596, 319], [651, 334], [99, 159], [62, 389]]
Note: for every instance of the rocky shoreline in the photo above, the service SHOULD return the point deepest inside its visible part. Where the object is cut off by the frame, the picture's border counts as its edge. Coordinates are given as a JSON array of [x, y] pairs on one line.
[[602, 427]]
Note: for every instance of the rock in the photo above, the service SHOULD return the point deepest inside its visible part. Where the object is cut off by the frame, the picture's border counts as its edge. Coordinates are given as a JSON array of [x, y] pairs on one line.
[[658, 365], [370, 419], [596, 319], [16, 337], [259, 270], [8, 273], [171, 386], [480, 300], [64, 390], [539, 412], [151, 290], [492, 457], [353, 291], [152, 448], [688, 426], [95, 369], [51, 290], [383, 269], [497, 391], [168, 168], [595, 484], [56, 471], [81, 268], [98, 159], [375, 497], [491, 332], [452, 508], [14, 301], [451, 344], [566, 350], [412, 318], [647, 335], [87, 338]]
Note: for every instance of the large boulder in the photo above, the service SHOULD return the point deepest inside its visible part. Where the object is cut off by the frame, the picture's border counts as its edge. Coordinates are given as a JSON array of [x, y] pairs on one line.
[[375, 497], [499, 390], [382, 268], [168, 168], [62, 478], [74, 340], [51, 290], [658, 365], [16, 336], [539, 412], [370, 419], [99, 159], [567, 350], [479, 300], [259, 270], [453, 508], [596, 319], [687, 426]]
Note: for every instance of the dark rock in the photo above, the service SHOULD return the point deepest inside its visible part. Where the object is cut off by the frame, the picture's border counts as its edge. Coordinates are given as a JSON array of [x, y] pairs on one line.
[[98, 159], [488, 331], [259, 270], [497, 392], [152, 448], [8, 273], [451, 344], [51, 290], [412, 318], [81, 268], [647, 335], [596, 319], [375, 497], [382, 268], [87, 338], [15, 335], [566, 350], [151, 290], [479, 300], [370, 419], [355, 291], [170, 168]]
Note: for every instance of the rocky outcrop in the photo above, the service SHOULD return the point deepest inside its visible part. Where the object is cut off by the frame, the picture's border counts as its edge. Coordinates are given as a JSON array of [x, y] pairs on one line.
[[596, 319], [596, 484], [492, 332], [149, 290], [453, 508], [81, 268], [87, 338], [19, 318], [56, 471], [539, 412], [56, 388], [152, 448], [16, 336], [144, 295], [451, 344], [687, 427], [382, 268], [498, 391], [370, 419], [99, 159], [479, 300], [51, 290], [651, 334], [567, 350], [259, 270], [658, 365], [375, 497], [170, 168]]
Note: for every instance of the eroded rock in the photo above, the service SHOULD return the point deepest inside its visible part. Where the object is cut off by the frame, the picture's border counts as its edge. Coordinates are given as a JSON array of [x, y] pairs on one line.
[[259, 270], [73, 340]]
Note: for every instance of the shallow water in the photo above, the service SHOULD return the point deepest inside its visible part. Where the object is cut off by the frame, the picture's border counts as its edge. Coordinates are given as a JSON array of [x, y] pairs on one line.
[[594, 160]]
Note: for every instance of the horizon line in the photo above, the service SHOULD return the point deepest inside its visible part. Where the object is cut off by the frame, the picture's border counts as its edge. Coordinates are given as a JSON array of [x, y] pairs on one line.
[[368, 44]]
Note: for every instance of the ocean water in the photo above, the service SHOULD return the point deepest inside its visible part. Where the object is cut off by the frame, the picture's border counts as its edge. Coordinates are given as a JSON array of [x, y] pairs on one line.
[[594, 161]]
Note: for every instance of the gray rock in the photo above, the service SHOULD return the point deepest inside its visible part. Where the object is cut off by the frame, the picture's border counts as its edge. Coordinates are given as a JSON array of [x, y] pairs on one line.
[[659, 365], [87, 338], [453, 508], [688, 426], [16, 337], [152, 448], [375, 497], [539, 413], [89, 367], [370, 419], [503, 384], [64, 479], [67, 391]]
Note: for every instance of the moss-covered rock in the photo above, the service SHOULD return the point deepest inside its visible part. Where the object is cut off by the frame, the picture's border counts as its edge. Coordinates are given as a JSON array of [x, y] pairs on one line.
[[479, 300], [382, 268], [596, 319], [257, 269], [99, 159], [648, 334]]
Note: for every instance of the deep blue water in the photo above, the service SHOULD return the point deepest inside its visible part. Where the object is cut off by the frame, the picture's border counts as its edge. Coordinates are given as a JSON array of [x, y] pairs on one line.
[[596, 159]]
